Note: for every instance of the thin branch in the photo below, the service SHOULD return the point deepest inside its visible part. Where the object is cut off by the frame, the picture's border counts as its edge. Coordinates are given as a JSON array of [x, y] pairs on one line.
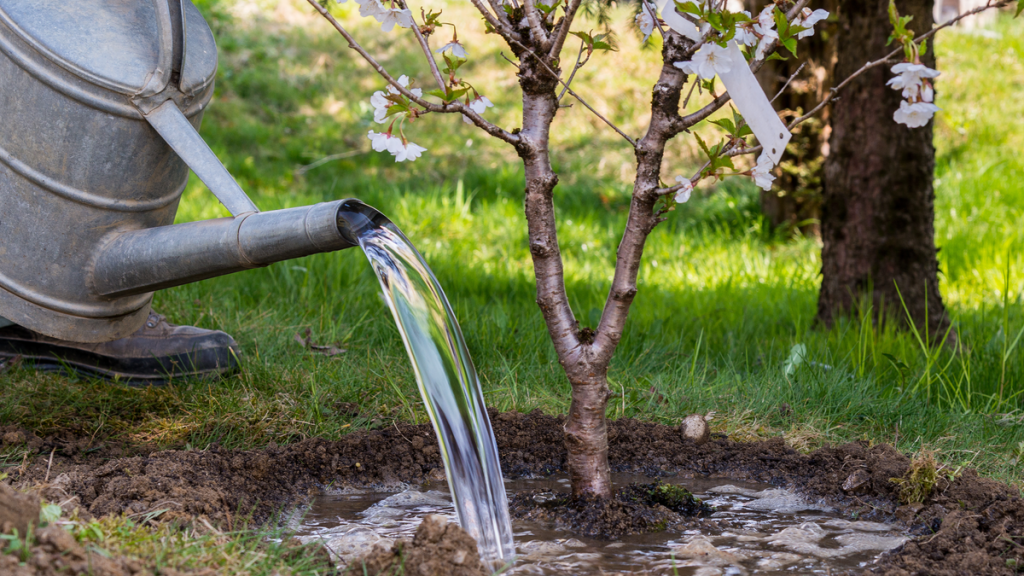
[[449, 108], [631, 141], [563, 30], [537, 33], [575, 68], [429, 55], [496, 22], [786, 85], [654, 14]]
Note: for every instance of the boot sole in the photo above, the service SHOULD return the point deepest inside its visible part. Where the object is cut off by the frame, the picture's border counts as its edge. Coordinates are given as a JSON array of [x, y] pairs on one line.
[[133, 372]]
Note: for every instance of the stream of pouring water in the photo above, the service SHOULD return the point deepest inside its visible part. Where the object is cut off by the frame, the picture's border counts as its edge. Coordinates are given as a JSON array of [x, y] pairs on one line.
[[446, 378]]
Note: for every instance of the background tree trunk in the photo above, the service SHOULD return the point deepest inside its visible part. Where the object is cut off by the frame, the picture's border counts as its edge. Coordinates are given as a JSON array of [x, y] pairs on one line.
[[878, 201]]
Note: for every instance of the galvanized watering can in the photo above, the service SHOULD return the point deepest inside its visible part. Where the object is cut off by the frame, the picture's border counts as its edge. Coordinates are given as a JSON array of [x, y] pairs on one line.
[[100, 101]]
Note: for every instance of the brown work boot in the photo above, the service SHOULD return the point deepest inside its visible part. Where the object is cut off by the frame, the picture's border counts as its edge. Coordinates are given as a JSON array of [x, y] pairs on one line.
[[154, 354]]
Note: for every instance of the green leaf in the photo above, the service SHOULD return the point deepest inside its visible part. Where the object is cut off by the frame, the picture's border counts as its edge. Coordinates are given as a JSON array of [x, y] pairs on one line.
[[776, 56], [781, 23], [790, 44], [689, 8], [744, 131], [1020, 8], [727, 124], [442, 94], [583, 36], [924, 47]]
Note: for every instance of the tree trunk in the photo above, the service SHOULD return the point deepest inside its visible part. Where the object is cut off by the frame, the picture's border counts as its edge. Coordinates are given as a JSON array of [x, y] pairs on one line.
[[878, 201], [586, 432]]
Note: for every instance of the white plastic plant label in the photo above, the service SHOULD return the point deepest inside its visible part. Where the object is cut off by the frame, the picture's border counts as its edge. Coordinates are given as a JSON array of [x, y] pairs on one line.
[[676, 22], [752, 103]]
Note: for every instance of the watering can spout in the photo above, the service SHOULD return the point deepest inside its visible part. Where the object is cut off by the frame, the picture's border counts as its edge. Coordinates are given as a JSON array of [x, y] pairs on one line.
[[141, 261]]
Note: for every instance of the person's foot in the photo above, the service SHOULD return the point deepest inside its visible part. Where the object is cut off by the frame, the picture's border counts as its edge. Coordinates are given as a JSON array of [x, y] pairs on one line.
[[154, 354]]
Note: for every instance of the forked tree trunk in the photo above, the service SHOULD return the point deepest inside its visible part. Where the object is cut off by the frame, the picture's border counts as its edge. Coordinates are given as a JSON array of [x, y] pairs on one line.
[[878, 202]]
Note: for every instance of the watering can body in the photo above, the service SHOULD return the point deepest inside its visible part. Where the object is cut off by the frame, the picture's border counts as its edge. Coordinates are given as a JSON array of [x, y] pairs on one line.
[[100, 101]]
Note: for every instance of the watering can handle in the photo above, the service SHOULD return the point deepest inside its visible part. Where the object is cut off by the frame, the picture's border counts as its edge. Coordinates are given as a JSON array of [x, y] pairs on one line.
[[178, 132]]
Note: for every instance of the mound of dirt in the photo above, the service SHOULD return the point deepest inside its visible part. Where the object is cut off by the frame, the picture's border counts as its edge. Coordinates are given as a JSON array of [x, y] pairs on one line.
[[439, 548], [634, 509], [967, 526]]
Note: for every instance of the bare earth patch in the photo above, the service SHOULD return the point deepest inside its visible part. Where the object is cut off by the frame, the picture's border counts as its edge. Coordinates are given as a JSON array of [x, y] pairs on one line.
[[965, 525]]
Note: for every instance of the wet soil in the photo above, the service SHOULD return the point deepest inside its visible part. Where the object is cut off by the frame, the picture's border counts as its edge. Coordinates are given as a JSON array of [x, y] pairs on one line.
[[969, 525], [439, 548], [634, 509]]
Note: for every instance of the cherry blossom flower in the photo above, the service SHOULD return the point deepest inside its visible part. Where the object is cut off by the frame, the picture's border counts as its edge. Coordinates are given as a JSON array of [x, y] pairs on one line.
[[927, 93], [808, 19], [645, 21], [480, 104], [683, 194], [368, 8], [458, 50], [911, 78], [381, 101], [762, 173], [392, 16], [380, 141], [765, 27], [708, 61], [745, 32], [915, 115], [407, 151]]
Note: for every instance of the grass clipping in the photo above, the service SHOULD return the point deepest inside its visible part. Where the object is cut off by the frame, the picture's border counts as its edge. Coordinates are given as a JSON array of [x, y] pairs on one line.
[[917, 484]]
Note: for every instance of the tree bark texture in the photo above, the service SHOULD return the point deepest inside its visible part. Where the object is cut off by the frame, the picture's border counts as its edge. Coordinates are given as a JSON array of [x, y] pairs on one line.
[[586, 432], [878, 202]]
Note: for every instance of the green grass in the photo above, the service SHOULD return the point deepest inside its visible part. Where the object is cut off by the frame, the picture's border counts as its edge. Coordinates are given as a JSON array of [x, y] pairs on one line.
[[722, 299]]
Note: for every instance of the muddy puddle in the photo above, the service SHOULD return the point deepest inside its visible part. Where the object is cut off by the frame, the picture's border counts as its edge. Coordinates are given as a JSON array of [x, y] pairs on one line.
[[756, 529]]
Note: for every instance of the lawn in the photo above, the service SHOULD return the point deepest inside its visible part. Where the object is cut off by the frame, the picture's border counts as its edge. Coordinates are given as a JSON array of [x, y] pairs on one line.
[[723, 300]]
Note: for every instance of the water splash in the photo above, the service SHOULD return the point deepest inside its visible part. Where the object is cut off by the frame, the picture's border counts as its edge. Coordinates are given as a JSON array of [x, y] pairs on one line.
[[445, 375]]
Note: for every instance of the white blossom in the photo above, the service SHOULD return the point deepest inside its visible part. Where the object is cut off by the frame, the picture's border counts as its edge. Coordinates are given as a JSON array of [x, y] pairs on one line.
[[915, 115], [380, 141], [480, 104], [381, 102], [927, 93], [808, 19], [765, 26], [645, 21], [686, 188], [710, 60], [391, 16], [403, 81], [745, 33], [458, 50], [368, 8], [910, 78], [407, 151], [762, 173]]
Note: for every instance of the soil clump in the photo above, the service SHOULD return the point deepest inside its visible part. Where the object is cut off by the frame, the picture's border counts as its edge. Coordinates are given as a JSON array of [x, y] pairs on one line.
[[966, 524], [439, 548], [633, 509]]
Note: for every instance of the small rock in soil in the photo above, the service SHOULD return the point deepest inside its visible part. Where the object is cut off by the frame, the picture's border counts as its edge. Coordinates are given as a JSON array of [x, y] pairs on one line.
[[17, 510], [695, 427], [439, 548]]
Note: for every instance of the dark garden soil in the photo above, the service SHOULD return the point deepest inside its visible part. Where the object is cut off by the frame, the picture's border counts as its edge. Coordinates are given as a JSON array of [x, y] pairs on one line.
[[969, 525]]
